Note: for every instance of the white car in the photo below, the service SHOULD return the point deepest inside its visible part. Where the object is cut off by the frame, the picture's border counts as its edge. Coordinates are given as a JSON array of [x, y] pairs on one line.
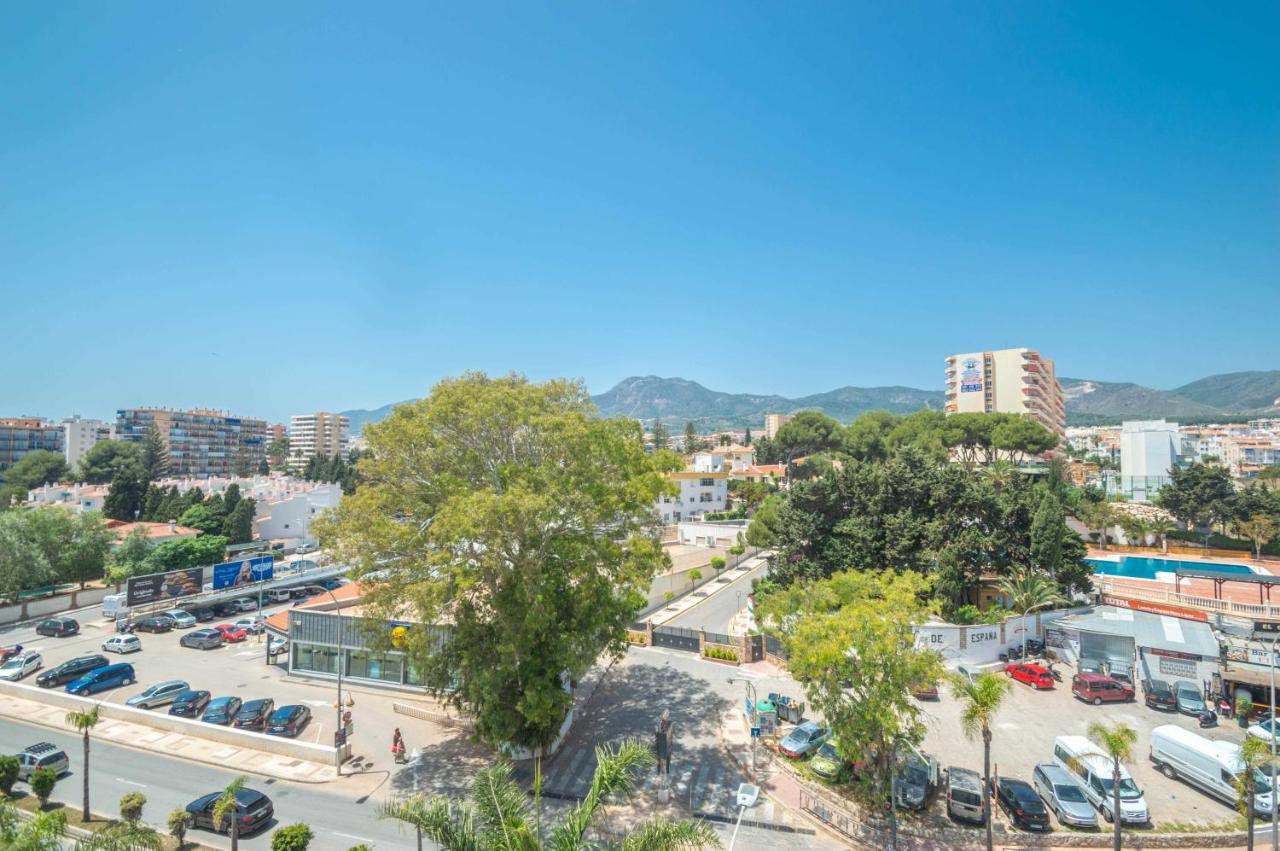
[[122, 644], [181, 619], [1264, 730], [19, 666], [246, 604], [252, 626]]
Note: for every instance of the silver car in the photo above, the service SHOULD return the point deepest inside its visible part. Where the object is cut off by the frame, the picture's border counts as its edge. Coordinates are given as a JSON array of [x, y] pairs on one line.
[[159, 694], [1062, 794]]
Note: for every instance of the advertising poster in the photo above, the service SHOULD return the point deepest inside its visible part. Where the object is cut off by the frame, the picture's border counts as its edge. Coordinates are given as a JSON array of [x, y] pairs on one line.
[[154, 587], [232, 574]]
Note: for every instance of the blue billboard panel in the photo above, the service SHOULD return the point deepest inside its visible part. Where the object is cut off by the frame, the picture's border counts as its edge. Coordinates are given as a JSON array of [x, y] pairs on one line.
[[231, 574]]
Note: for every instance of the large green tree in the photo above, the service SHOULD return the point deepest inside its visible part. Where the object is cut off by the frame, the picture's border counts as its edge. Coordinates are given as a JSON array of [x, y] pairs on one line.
[[125, 495], [237, 528], [131, 557], [31, 471], [808, 433], [154, 455], [188, 552], [99, 464], [23, 563], [1199, 495], [514, 514], [851, 642]]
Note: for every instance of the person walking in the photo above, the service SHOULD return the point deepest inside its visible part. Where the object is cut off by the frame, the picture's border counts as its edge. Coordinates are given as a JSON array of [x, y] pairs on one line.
[[397, 746]]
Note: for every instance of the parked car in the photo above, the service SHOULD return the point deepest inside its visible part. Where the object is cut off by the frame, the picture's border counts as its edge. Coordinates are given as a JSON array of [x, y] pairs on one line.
[[1090, 666], [181, 618], [1189, 699], [1021, 804], [277, 645], [158, 694], [1158, 694], [202, 639], [278, 595], [1211, 766], [230, 633], [70, 670], [246, 604], [1099, 689], [1036, 676], [828, 764], [288, 721], [803, 740], [122, 644], [1264, 730], [101, 679], [155, 623], [42, 755], [226, 609], [221, 710], [204, 614], [20, 666], [331, 584], [964, 795], [1063, 794], [253, 714], [1086, 762], [253, 810], [252, 626], [917, 776], [190, 703], [58, 627]]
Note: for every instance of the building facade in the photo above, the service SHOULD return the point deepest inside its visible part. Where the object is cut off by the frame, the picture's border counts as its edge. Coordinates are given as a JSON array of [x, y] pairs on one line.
[[199, 442], [699, 493], [321, 435], [773, 422], [79, 436], [1149, 449], [21, 435], [1008, 381]]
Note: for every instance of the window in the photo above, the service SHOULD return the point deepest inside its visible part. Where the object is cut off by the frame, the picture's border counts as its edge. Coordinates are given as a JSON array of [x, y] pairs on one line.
[[311, 657], [708, 483], [368, 665], [706, 497]]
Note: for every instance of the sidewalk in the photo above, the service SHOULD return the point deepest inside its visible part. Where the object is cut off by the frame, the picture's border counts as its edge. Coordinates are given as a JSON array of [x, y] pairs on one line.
[[735, 737], [174, 744], [695, 596]]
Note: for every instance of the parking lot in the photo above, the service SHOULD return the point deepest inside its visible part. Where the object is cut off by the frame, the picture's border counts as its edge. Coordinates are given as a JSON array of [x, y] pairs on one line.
[[1023, 735]]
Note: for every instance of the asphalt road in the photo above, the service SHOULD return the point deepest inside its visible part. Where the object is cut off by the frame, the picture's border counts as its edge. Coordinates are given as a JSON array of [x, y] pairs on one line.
[[715, 612]]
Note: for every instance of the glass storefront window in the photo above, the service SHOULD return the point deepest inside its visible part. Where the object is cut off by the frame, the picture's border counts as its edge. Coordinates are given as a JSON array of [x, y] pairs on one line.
[[367, 665], [315, 659]]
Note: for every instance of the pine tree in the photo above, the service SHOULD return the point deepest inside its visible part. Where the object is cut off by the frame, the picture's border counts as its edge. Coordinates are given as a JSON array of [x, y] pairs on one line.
[[747, 438], [155, 457], [191, 498], [238, 526], [124, 497], [264, 469], [152, 503], [690, 437], [231, 498]]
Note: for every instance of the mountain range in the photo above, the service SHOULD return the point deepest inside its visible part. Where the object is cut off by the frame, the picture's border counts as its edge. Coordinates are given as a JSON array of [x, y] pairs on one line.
[[675, 401]]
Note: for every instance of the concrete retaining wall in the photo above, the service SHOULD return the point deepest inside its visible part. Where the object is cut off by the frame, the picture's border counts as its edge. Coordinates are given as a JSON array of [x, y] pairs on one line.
[[161, 720], [44, 606]]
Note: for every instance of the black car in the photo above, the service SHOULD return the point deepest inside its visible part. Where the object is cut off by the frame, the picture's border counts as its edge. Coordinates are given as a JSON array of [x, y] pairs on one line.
[[72, 669], [221, 710], [226, 610], [253, 715], [1022, 804], [203, 614], [58, 627], [288, 721], [1159, 695], [158, 623], [189, 704], [253, 810]]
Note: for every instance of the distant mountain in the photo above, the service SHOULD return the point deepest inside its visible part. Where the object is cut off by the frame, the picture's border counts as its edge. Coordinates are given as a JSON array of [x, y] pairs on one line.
[[675, 401]]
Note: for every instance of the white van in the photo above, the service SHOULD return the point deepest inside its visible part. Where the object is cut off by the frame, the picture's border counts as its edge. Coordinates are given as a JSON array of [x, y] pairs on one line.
[[113, 606], [1208, 765], [1087, 762], [277, 595]]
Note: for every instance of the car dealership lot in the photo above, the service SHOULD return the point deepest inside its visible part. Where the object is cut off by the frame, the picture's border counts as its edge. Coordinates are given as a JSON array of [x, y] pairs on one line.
[[1027, 723]]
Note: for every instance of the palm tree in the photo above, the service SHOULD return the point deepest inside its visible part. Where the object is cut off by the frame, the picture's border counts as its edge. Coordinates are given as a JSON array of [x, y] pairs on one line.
[[227, 806], [1000, 473], [1161, 527], [497, 814], [1030, 592], [84, 722], [42, 833], [1117, 742], [1254, 754], [123, 836], [981, 698], [1100, 516], [1135, 530]]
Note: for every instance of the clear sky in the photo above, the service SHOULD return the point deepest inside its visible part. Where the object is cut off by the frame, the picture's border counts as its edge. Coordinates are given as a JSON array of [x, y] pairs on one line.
[[276, 207]]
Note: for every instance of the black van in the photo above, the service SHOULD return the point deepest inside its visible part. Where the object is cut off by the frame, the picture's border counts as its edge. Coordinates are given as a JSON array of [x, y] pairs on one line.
[[72, 669]]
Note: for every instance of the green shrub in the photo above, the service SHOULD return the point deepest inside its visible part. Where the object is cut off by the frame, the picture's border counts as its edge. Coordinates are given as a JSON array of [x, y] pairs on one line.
[[720, 653], [717, 564], [179, 822], [295, 837], [42, 782], [8, 773], [131, 806]]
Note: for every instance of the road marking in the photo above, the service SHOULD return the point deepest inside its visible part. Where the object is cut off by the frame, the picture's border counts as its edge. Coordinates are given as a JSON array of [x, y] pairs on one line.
[[131, 782], [363, 839], [317, 702]]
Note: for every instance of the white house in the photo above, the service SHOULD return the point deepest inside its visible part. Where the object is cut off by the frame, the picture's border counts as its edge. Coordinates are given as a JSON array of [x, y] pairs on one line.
[[289, 519], [699, 493]]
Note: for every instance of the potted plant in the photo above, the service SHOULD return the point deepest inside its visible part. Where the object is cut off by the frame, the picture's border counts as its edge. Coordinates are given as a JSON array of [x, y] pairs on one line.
[[1244, 705]]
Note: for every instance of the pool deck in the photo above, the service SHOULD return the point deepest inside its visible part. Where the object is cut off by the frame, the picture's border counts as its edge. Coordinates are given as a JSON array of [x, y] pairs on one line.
[[1236, 592]]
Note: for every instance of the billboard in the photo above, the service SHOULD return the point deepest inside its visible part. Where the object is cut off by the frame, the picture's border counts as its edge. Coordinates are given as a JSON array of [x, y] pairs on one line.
[[155, 587], [232, 574], [970, 376]]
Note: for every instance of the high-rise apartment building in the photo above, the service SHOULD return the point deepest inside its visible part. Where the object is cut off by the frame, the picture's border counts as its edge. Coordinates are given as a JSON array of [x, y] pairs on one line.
[[320, 434], [79, 435], [1008, 381], [773, 422], [20, 435], [200, 442], [1149, 449]]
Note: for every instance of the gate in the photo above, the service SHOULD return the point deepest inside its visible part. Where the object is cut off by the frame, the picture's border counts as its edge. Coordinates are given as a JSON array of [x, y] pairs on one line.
[[773, 646], [756, 647], [676, 638]]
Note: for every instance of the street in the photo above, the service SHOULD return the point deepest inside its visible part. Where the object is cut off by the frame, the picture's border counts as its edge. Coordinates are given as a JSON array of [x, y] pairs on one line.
[[715, 612]]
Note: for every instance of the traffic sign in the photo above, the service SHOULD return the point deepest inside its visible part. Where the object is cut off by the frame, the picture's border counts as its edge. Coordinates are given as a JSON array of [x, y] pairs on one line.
[[755, 732], [339, 738]]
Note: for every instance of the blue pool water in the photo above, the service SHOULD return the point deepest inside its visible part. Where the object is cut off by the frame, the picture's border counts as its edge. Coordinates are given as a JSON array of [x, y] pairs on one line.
[[1140, 567]]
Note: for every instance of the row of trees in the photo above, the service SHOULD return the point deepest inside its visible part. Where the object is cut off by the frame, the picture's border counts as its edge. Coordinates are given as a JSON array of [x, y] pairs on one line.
[[42, 546], [1204, 496], [336, 469]]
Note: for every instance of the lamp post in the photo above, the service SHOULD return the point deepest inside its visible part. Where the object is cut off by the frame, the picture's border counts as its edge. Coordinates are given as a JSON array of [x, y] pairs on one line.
[[1271, 668], [337, 750]]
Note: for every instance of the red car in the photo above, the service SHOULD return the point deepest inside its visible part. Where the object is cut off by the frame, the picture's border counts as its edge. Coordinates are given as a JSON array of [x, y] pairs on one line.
[[1033, 675], [230, 633]]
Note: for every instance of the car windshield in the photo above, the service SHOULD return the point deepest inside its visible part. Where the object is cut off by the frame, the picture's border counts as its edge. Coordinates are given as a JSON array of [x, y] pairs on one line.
[[1070, 794], [1129, 790], [14, 663], [828, 750], [913, 775]]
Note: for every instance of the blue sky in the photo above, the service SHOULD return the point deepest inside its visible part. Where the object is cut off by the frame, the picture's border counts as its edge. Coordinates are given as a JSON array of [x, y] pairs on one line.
[[284, 207]]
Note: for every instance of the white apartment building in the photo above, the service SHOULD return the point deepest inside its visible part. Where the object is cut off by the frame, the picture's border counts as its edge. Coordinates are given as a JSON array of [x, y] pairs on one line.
[[773, 422], [78, 498], [320, 434], [79, 435], [700, 493], [724, 459], [1008, 381], [289, 519], [1149, 449]]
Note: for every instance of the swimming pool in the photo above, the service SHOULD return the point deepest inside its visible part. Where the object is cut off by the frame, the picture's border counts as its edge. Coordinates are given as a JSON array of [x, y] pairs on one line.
[[1141, 567]]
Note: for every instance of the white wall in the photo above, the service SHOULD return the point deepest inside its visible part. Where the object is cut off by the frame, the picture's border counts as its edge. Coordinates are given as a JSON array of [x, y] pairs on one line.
[[291, 517]]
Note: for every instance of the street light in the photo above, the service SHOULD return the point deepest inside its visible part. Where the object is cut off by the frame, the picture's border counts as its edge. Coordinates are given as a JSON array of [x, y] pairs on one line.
[[337, 749]]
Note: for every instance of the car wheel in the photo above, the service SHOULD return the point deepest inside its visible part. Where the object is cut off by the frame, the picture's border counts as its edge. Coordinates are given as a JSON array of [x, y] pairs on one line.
[[1106, 814], [1097, 701], [1034, 687], [1168, 771], [130, 681]]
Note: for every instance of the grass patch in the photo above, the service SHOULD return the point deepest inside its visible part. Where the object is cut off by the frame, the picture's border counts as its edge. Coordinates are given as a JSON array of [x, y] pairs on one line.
[[75, 819], [1238, 823]]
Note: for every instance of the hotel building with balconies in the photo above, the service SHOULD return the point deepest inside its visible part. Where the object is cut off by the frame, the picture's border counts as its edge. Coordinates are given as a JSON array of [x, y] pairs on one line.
[[1008, 381], [200, 442]]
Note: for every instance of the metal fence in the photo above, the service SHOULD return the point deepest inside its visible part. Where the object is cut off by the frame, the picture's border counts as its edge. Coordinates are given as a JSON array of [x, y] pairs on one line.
[[720, 638], [676, 638], [773, 646]]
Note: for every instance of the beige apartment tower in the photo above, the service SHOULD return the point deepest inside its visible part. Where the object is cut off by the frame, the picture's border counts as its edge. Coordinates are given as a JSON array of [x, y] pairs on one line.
[[1008, 381], [319, 434], [773, 422]]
